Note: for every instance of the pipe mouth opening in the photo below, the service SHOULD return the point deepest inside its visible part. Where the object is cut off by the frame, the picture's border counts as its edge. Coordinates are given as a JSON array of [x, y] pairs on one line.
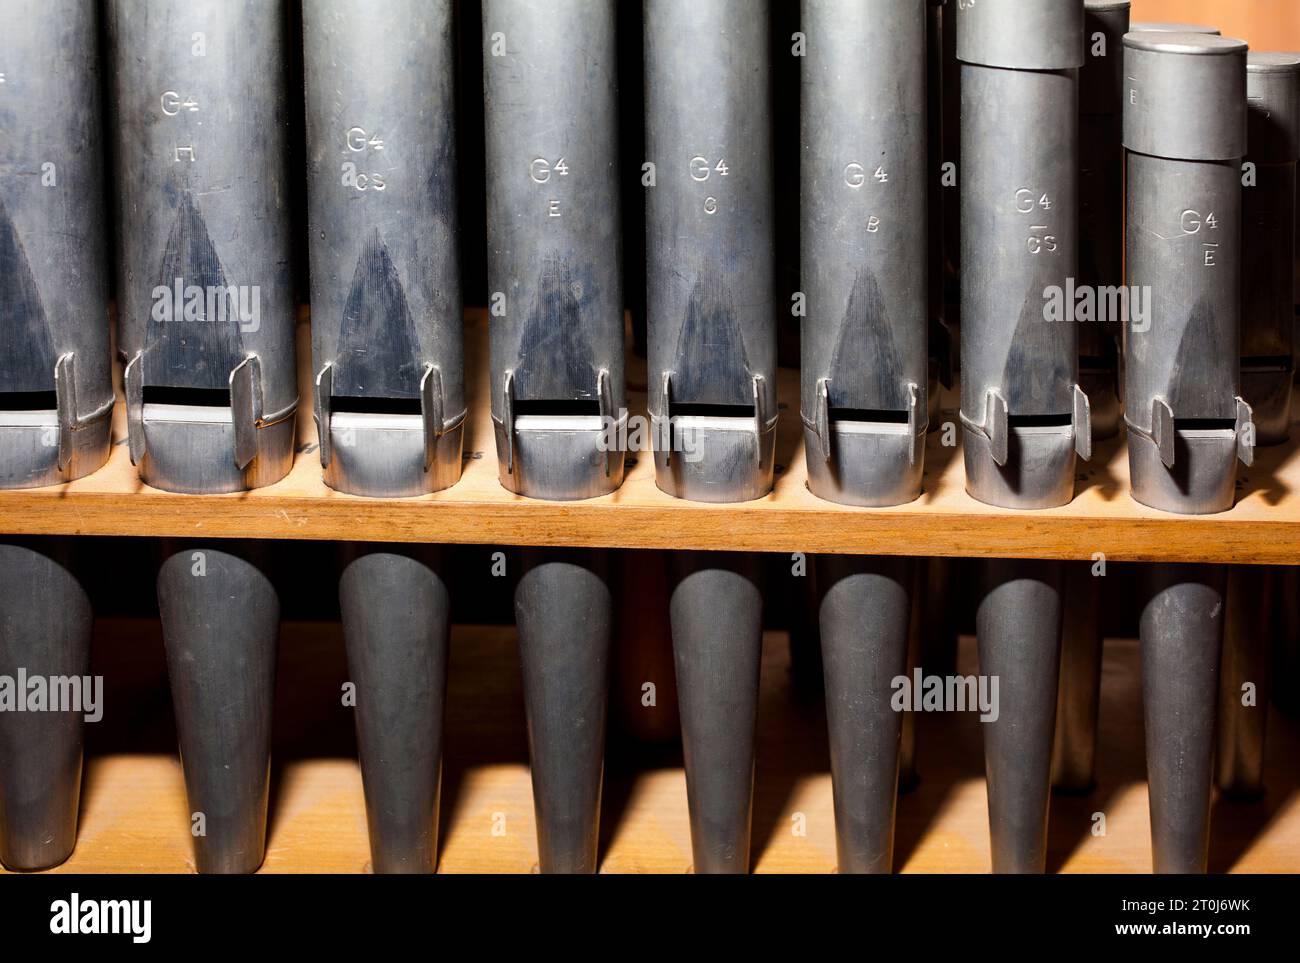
[[557, 408], [28, 401], [356, 405], [558, 414], [1096, 364], [187, 397], [1040, 421], [1205, 425]]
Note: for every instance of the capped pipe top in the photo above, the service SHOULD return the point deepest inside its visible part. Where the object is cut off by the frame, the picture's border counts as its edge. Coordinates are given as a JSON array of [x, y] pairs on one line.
[[1185, 96], [1273, 107], [1160, 26], [1100, 83], [1021, 34]]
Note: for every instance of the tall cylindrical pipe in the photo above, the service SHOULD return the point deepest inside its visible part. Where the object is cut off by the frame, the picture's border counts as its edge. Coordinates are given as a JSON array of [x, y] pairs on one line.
[[45, 626], [865, 359], [709, 238], [388, 362], [1024, 415], [1181, 636], [712, 372], [554, 263], [716, 614], [1101, 207], [1185, 132], [205, 300], [386, 302], [866, 610], [1018, 628], [1268, 242], [396, 624], [207, 327], [220, 620], [56, 393], [942, 346], [558, 395], [865, 377]]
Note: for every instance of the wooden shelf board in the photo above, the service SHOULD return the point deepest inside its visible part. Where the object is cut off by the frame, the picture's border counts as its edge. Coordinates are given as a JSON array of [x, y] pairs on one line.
[[134, 814], [1263, 527]]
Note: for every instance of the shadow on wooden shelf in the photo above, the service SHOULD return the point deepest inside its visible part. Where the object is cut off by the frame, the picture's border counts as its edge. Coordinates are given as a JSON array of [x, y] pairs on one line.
[[1263, 527], [134, 816]]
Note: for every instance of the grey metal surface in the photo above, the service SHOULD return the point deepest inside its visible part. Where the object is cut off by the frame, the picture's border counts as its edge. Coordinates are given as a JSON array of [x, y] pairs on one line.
[[1024, 416], [866, 613], [1268, 242], [1185, 130], [1018, 630], [1021, 34], [941, 338], [56, 392], [396, 626], [199, 97], [1244, 681], [1101, 203], [1074, 749], [1181, 634], [384, 236], [864, 367], [45, 626], [1185, 96], [220, 622], [564, 611], [716, 610], [710, 248], [554, 237]]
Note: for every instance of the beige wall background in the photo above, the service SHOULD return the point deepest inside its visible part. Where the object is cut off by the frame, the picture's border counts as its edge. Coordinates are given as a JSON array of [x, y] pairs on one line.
[[1264, 24]]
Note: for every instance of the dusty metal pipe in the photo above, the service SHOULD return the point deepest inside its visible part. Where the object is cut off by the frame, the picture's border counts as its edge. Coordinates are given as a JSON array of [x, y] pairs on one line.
[[220, 621], [56, 395], [396, 624], [204, 292], [389, 384], [1024, 415], [564, 610], [716, 613], [1181, 635], [1185, 134], [712, 372], [386, 300], [45, 627], [554, 262], [207, 328], [1018, 629], [865, 356], [866, 610], [709, 237], [558, 395]]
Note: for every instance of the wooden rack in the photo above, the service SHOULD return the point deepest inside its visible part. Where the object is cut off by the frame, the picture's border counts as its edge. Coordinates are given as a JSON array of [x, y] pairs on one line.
[[1263, 527]]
